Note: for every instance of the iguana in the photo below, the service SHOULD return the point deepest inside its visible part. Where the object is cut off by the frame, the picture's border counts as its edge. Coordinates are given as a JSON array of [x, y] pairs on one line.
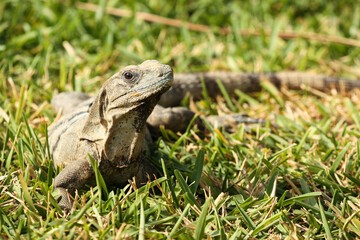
[[112, 126]]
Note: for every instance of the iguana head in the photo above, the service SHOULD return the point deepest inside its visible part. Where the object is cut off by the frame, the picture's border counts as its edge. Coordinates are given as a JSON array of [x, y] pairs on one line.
[[118, 115], [137, 83]]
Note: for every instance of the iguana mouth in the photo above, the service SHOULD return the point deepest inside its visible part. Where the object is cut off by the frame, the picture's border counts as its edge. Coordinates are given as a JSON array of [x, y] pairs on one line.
[[166, 82]]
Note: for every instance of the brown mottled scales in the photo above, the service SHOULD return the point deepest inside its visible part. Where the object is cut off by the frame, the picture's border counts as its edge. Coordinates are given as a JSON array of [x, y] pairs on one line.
[[190, 83]]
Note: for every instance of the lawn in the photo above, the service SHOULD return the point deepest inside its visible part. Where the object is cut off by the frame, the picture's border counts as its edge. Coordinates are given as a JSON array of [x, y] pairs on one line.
[[296, 177]]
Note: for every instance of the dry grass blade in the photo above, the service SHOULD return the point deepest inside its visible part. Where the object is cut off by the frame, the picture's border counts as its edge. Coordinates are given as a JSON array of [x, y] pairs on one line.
[[203, 28]]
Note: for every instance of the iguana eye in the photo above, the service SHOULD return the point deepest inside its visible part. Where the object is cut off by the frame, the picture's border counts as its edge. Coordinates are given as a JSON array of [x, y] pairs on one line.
[[128, 75]]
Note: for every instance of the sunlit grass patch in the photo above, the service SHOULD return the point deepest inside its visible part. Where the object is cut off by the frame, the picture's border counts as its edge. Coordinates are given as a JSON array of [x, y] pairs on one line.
[[296, 176]]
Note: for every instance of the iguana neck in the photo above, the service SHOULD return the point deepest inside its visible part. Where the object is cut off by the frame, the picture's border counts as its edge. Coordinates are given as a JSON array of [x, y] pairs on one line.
[[120, 134], [126, 133], [124, 139]]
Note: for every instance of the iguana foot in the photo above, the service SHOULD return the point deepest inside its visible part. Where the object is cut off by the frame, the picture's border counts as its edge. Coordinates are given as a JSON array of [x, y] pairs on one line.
[[74, 176], [66, 200]]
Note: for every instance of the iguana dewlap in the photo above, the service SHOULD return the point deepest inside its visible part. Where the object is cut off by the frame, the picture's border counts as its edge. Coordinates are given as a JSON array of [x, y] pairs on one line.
[[111, 128]]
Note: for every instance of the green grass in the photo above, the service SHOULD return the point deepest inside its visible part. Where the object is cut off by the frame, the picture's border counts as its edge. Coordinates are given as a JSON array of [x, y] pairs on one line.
[[297, 180]]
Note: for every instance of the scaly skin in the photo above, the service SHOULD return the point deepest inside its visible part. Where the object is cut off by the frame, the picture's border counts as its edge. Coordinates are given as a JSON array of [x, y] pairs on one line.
[[190, 83], [111, 129]]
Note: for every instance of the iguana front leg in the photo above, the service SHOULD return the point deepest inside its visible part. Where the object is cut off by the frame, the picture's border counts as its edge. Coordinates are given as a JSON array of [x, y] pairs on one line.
[[79, 173], [74, 176]]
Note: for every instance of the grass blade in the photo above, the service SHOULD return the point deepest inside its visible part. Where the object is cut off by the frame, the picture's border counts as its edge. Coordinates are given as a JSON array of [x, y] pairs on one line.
[[249, 223], [226, 95], [99, 181], [219, 224], [266, 223], [207, 100], [201, 222], [273, 91], [196, 175], [26, 194], [308, 133], [246, 97], [178, 222], [20, 108], [142, 221], [338, 159], [186, 188], [325, 222], [301, 197], [354, 112]]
